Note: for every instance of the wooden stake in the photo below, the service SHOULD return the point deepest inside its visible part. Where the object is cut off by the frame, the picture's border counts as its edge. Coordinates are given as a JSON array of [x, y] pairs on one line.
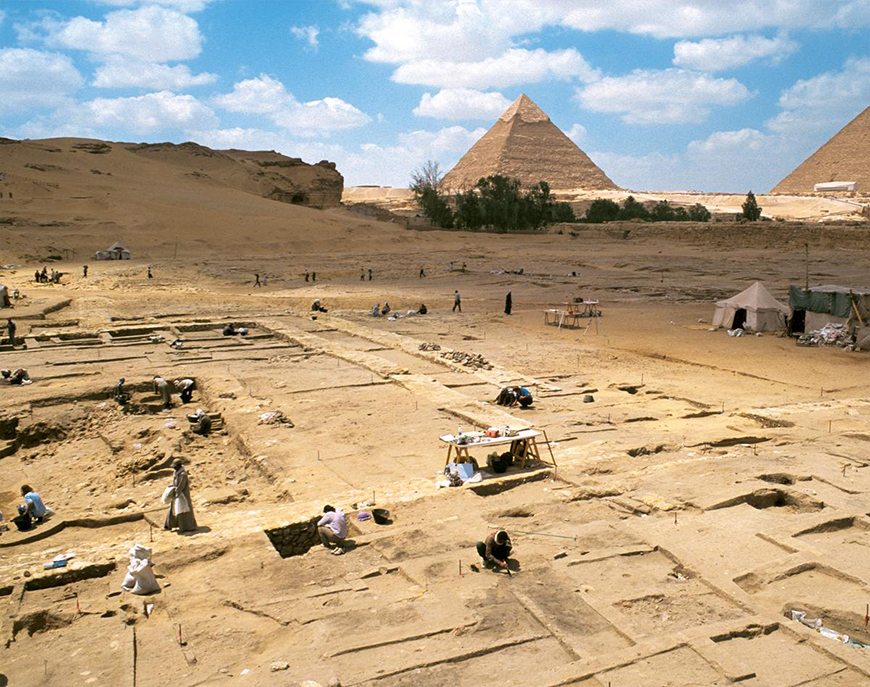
[[675, 518], [867, 615], [830, 422], [180, 637], [78, 607], [460, 567]]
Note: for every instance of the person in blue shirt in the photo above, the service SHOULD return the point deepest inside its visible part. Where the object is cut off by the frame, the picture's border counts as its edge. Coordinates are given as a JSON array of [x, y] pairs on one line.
[[33, 503]]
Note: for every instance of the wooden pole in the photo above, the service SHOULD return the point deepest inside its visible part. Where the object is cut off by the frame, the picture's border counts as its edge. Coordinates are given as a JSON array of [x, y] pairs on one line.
[[807, 263], [135, 656]]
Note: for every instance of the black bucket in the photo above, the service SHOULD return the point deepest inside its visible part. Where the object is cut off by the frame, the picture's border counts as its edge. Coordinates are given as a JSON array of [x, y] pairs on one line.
[[382, 516]]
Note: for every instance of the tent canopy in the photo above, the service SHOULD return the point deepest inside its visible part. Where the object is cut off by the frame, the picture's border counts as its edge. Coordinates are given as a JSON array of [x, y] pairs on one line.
[[763, 313], [829, 299]]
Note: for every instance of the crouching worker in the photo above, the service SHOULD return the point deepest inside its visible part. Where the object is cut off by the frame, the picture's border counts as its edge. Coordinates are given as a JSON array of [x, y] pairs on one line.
[[511, 395], [33, 504], [524, 397], [17, 376], [495, 550], [200, 422], [332, 529], [317, 306]]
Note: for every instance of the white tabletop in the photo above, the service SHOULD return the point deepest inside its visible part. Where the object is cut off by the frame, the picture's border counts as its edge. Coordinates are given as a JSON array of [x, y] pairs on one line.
[[479, 439]]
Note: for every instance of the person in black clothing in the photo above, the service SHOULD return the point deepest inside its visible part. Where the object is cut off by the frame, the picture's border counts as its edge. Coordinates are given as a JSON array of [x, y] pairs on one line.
[[508, 303], [10, 330], [23, 521]]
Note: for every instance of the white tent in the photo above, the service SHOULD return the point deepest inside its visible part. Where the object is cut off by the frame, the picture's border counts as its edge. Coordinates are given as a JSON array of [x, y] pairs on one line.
[[754, 310], [116, 252]]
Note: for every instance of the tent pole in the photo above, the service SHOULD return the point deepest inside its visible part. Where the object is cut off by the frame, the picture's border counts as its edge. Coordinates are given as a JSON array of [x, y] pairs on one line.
[[807, 264]]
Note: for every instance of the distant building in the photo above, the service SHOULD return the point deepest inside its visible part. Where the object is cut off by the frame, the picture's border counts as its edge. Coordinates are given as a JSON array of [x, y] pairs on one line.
[[836, 186]]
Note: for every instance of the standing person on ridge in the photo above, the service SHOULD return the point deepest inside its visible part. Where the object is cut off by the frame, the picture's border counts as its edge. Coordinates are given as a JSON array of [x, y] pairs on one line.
[[457, 301], [508, 303]]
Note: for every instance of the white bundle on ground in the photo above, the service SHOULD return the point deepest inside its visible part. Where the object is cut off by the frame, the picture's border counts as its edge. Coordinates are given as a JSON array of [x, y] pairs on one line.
[[140, 577]]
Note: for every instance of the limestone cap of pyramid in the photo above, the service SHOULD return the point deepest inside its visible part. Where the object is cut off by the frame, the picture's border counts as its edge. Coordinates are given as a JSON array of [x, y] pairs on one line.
[[524, 108]]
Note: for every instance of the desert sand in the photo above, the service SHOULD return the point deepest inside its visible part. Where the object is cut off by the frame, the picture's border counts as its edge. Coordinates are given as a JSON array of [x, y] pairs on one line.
[[712, 486]]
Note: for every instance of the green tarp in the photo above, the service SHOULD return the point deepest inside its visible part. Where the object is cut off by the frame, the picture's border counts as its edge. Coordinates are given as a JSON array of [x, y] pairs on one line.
[[832, 301]]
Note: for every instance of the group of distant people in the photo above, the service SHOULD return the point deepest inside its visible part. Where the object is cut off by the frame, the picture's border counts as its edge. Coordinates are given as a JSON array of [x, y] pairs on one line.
[[44, 277], [383, 311]]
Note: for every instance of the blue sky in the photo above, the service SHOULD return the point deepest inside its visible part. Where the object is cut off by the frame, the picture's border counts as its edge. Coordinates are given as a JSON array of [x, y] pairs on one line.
[[662, 94]]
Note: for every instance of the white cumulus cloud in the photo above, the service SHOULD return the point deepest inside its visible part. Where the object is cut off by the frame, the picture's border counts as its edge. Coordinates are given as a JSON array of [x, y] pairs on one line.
[[268, 97], [815, 105], [718, 54], [695, 18], [514, 66], [391, 165], [144, 114], [122, 72], [185, 6], [577, 133], [461, 103], [308, 34], [31, 79], [669, 96], [150, 34]]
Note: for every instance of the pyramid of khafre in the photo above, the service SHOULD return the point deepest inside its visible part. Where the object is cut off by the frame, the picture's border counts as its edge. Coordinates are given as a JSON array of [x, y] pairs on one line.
[[526, 145], [846, 157]]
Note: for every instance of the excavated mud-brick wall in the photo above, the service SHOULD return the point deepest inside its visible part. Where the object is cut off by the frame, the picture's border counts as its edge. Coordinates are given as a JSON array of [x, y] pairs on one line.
[[294, 539]]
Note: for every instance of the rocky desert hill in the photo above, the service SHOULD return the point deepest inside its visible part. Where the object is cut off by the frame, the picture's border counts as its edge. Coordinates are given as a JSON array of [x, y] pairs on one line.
[[72, 197]]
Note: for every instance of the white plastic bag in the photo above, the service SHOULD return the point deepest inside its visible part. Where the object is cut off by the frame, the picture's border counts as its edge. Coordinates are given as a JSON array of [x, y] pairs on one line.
[[168, 494]]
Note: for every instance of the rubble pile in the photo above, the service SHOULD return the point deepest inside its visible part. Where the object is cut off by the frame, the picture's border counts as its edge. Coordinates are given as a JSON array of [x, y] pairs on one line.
[[832, 334], [428, 346], [474, 361]]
